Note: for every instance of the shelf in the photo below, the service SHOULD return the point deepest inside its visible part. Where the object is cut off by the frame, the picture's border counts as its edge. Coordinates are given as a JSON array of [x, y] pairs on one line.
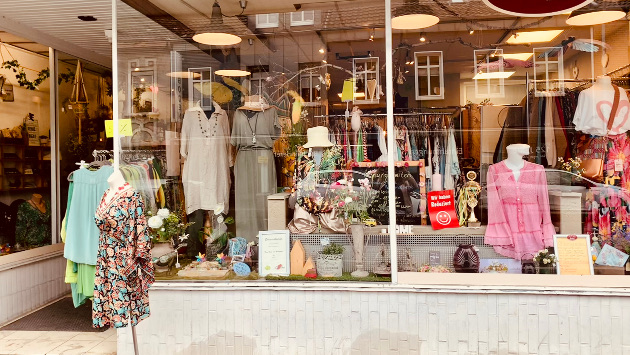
[[22, 189]]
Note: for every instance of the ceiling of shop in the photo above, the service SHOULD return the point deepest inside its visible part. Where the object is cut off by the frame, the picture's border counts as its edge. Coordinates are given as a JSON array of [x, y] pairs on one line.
[[54, 23]]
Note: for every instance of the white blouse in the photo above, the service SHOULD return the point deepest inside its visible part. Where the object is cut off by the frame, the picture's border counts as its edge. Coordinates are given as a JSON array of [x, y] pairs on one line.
[[593, 111], [205, 144]]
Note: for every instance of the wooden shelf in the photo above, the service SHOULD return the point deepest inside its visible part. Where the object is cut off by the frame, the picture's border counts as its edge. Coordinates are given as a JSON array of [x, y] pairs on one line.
[[29, 157]]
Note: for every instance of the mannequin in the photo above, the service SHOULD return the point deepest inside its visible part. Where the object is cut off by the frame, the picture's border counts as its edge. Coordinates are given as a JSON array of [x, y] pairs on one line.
[[116, 183], [310, 214], [255, 129], [514, 160], [593, 109], [38, 202], [207, 154], [519, 222]]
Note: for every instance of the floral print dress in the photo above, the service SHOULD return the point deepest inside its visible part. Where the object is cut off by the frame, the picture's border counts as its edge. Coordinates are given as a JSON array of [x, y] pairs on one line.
[[124, 271]]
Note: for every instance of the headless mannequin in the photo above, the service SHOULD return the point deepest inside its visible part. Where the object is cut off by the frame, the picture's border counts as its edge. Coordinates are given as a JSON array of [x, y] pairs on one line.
[[318, 153], [604, 83], [514, 160], [115, 181]]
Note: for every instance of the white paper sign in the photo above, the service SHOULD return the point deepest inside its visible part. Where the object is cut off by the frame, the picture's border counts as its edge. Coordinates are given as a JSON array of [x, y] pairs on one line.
[[274, 256]]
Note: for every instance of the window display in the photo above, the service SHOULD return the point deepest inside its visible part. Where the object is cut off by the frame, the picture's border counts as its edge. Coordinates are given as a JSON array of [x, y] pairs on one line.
[[483, 140]]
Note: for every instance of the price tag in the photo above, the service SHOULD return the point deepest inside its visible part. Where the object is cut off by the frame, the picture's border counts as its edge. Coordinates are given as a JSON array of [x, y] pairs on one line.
[[124, 128], [263, 160], [618, 165]]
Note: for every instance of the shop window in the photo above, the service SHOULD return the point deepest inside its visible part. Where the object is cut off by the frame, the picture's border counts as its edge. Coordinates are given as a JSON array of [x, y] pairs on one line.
[[429, 75], [200, 87], [303, 18], [366, 80], [267, 20], [549, 71]]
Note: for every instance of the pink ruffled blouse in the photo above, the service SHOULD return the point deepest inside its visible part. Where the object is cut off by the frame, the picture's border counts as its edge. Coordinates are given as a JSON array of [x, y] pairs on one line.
[[519, 220]]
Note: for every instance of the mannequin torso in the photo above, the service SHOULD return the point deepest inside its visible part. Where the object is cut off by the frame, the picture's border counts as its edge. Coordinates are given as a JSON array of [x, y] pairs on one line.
[[38, 202], [515, 160]]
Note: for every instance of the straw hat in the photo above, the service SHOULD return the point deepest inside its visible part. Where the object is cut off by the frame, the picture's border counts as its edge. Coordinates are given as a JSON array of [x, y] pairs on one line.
[[318, 137], [254, 103]]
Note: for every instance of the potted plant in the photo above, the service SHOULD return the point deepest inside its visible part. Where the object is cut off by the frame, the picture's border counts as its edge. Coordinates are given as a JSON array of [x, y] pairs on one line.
[[545, 262], [163, 228], [330, 261], [351, 203]]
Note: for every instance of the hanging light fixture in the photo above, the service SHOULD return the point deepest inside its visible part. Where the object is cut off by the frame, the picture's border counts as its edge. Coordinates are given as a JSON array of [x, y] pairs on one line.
[[217, 38], [231, 67], [595, 15], [412, 16]]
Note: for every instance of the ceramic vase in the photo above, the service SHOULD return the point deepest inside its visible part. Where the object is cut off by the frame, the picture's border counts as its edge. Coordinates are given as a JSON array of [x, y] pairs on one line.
[[358, 239]]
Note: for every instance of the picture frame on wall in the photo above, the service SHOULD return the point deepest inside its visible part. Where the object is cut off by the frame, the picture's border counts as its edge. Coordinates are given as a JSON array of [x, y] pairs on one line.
[[6, 93]]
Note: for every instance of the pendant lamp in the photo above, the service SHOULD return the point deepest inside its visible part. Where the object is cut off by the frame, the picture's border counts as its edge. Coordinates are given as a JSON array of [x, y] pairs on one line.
[[218, 37], [595, 15], [231, 67], [412, 16]]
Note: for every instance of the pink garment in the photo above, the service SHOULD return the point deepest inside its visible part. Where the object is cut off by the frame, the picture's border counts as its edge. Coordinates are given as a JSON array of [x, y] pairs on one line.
[[519, 220]]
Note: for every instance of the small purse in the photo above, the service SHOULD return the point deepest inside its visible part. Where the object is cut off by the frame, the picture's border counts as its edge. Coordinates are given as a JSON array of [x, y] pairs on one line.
[[593, 168]]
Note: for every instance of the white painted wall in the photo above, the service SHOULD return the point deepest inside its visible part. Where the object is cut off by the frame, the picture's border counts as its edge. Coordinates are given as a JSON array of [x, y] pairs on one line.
[[31, 279], [13, 113], [269, 318]]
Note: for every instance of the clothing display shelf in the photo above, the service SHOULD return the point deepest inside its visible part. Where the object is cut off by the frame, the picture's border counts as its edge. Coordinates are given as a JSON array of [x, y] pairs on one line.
[[419, 246], [23, 167]]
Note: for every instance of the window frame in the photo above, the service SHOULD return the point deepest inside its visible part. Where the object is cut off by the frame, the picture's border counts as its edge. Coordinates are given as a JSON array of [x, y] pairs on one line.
[[302, 21], [429, 66], [268, 24]]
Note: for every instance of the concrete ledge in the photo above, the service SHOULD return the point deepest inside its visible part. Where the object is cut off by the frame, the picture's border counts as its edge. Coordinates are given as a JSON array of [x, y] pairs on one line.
[[30, 256]]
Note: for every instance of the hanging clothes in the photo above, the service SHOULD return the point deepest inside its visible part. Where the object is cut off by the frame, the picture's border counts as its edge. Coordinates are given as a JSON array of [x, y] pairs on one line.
[[81, 233], [124, 271], [452, 163]]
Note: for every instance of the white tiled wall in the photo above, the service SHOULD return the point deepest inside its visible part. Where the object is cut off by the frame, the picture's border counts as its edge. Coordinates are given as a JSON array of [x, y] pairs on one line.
[[381, 321], [30, 286]]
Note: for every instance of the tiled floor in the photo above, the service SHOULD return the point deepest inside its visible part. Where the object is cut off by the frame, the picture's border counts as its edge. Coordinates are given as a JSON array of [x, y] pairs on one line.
[[57, 343]]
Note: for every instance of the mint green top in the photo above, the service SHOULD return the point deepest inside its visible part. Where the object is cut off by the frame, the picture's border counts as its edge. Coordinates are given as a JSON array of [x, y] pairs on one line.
[[81, 231]]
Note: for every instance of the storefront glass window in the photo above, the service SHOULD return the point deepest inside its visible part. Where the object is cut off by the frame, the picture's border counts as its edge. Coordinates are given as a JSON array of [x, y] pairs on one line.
[[264, 133], [25, 163]]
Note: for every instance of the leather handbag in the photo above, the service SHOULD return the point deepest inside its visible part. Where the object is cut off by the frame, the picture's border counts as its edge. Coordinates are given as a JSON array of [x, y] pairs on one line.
[[593, 168]]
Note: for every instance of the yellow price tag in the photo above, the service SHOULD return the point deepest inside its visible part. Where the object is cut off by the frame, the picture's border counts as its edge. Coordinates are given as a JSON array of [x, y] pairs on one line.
[[124, 128]]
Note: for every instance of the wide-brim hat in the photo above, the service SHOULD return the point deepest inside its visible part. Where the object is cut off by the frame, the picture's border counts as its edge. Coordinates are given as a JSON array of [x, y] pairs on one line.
[[254, 103], [318, 137]]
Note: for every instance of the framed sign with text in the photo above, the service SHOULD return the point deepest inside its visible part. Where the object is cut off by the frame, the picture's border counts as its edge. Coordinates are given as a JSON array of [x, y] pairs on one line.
[[573, 253], [274, 253]]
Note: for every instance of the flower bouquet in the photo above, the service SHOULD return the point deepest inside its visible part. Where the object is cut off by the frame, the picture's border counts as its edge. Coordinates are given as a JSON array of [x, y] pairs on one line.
[[163, 227], [352, 202], [546, 262]]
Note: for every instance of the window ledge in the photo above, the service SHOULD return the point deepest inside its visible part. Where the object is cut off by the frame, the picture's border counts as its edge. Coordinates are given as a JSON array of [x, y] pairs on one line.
[[30, 256], [440, 284]]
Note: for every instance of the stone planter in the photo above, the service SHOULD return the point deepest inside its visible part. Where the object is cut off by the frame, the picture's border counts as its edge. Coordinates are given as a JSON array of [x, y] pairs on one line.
[[163, 256], [330, 265]]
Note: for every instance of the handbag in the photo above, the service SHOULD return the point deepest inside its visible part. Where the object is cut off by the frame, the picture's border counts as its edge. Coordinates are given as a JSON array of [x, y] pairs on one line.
[[593, 168]]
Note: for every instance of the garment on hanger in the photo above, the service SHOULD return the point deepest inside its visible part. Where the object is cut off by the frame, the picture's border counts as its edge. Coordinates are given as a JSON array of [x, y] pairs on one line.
[[452, 163], [124, 271], [205, 144], [81, 232], [519, 221], [253, 135]]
